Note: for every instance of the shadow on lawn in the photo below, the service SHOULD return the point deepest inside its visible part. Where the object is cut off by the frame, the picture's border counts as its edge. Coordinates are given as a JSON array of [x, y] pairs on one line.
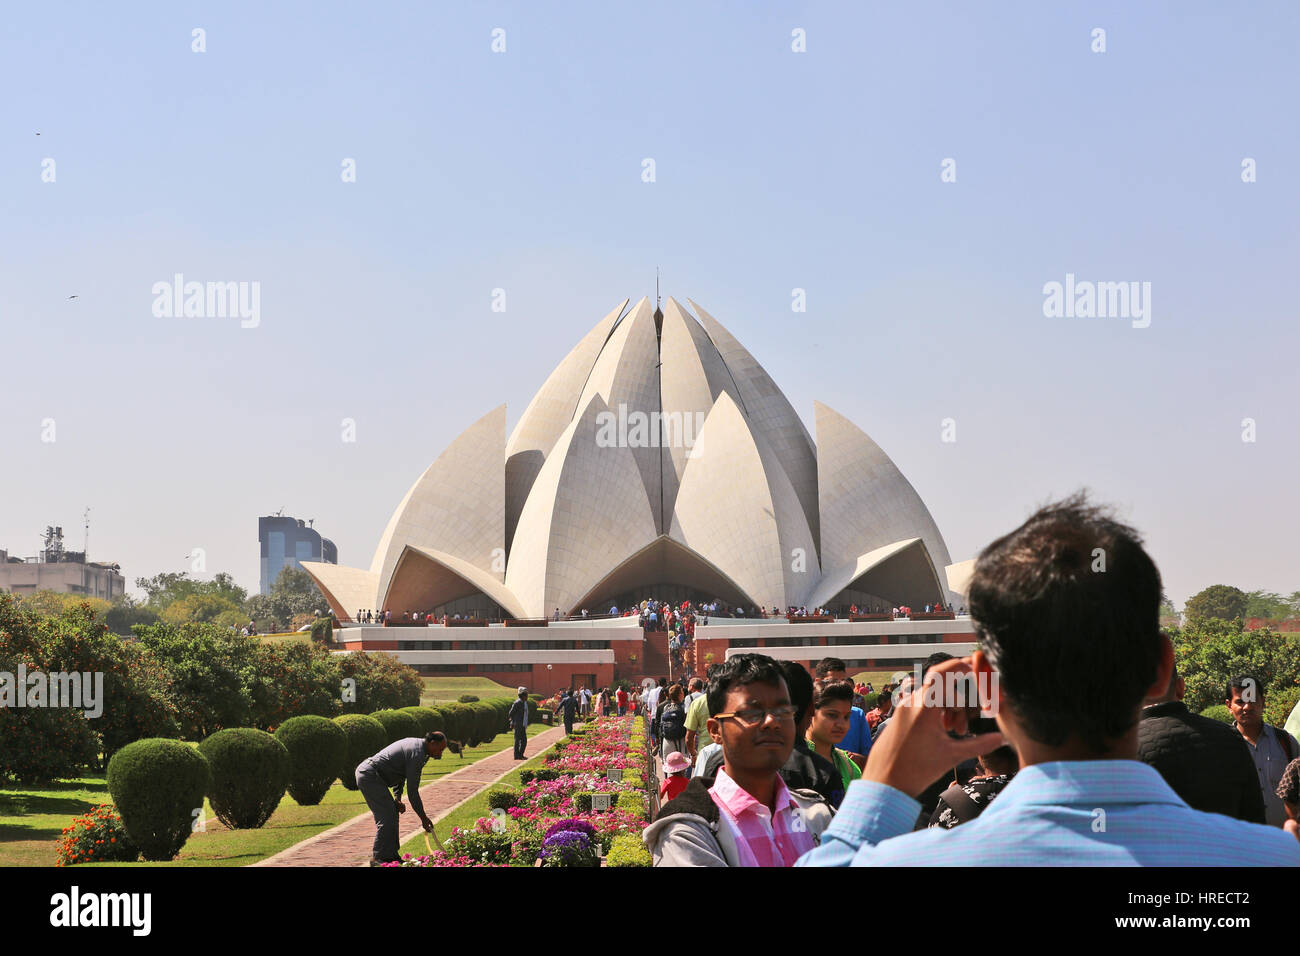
[[32, 804]]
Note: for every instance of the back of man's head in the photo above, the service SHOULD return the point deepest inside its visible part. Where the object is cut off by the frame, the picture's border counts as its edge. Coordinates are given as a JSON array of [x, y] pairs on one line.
[[801, 688], [1067, 607], [828, 665], [697, 684], [938, 657]]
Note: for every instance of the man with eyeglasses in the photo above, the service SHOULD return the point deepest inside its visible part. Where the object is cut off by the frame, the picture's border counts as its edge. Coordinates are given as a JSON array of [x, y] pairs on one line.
[[745, 815]]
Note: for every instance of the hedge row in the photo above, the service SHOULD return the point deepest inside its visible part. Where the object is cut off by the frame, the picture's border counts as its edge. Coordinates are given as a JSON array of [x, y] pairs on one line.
[[158, 784]]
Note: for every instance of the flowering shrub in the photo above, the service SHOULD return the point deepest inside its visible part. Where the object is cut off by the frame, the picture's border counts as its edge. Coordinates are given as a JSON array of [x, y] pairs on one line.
[[480, 844], [568, 848], [544, 824], [439, 859], [96, 836]]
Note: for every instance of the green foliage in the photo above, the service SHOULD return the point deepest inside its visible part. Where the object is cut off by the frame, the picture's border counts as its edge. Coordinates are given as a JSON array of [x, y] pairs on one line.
[[459, 721], [294, 678], [479, 846], [503, 798], [1220, 601], [631, 802], [317, 749], [293, 592], [322, 630], [398, 724], [41, 744], [1271, 606], [157, 785], [365, 738], [212, 671], [1279, 704], [250, 771], [467, 699], [538, 773], [1209, 652], [164, 590], [426, 719], [1220, 713], [96, 837], [626, 849], [125, 614], [137, 699], [382, 682]]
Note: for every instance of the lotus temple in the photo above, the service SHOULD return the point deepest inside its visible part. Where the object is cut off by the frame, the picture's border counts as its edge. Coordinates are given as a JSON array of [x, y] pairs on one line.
[[658, 460]]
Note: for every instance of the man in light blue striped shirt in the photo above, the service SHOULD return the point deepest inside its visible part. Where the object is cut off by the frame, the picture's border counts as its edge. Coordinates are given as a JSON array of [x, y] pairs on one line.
[[1066, 609]]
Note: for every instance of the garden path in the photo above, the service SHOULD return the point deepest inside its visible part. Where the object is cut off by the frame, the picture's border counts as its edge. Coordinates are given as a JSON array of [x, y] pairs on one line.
[[348, 844]]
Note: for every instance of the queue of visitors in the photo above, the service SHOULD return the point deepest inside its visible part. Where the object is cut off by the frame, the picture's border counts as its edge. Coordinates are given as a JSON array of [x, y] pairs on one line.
[[1090, 758]]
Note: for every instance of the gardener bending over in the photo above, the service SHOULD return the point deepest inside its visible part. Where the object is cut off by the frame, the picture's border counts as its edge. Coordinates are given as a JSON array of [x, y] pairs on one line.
[[398, 764]]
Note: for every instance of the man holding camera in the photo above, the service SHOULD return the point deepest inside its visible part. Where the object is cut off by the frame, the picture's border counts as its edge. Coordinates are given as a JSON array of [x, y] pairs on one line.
[[1077, 651]]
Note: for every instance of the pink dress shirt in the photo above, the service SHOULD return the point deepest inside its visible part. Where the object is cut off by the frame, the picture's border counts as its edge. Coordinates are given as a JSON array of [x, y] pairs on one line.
[[761, 838]]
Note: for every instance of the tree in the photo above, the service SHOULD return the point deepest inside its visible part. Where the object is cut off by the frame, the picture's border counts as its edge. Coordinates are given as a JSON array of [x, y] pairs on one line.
[[125, 613], [165, 589], [1220, 601], [136, 692], [382, 682], [199, 607], [1267, 605], [292, 593], [295, 678], [1210, 651], [212, 671]]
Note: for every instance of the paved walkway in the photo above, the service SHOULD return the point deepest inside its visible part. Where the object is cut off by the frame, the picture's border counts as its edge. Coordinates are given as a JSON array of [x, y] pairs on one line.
[[349, 844]]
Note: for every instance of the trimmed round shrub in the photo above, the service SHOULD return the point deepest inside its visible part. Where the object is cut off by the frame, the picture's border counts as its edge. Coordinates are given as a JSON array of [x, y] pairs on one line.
[[316, 748], [467, 699], [460, 723], [398, 724], [485, 722], [503, 799], [250, 771], [365, 738], [425, 719], [158, 786], [1218, 712]]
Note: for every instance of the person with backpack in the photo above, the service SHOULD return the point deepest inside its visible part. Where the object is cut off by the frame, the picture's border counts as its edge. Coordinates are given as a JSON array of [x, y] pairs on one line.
[[1272, 748], [671, 721]]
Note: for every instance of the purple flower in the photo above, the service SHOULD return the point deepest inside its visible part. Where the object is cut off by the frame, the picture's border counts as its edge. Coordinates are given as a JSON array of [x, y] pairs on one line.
[[573, 825]]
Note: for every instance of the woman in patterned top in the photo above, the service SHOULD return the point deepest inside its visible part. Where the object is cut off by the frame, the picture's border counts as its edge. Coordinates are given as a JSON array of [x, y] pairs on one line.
[[961, 804], [832, 706]]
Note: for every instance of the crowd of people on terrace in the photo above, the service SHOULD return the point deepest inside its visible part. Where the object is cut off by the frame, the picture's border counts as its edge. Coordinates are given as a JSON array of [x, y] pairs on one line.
[[765, 764]]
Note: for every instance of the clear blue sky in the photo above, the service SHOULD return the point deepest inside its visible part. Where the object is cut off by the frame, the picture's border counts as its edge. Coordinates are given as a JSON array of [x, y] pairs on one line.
[[522, 170]]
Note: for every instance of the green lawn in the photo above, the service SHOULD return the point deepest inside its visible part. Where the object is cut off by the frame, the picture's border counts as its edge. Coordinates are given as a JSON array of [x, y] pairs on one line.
[[32, 820], [450, 688], [878, 679]]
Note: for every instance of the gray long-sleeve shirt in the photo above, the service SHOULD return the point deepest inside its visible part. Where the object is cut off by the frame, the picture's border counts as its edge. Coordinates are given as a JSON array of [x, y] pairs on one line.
[[400, 763]]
